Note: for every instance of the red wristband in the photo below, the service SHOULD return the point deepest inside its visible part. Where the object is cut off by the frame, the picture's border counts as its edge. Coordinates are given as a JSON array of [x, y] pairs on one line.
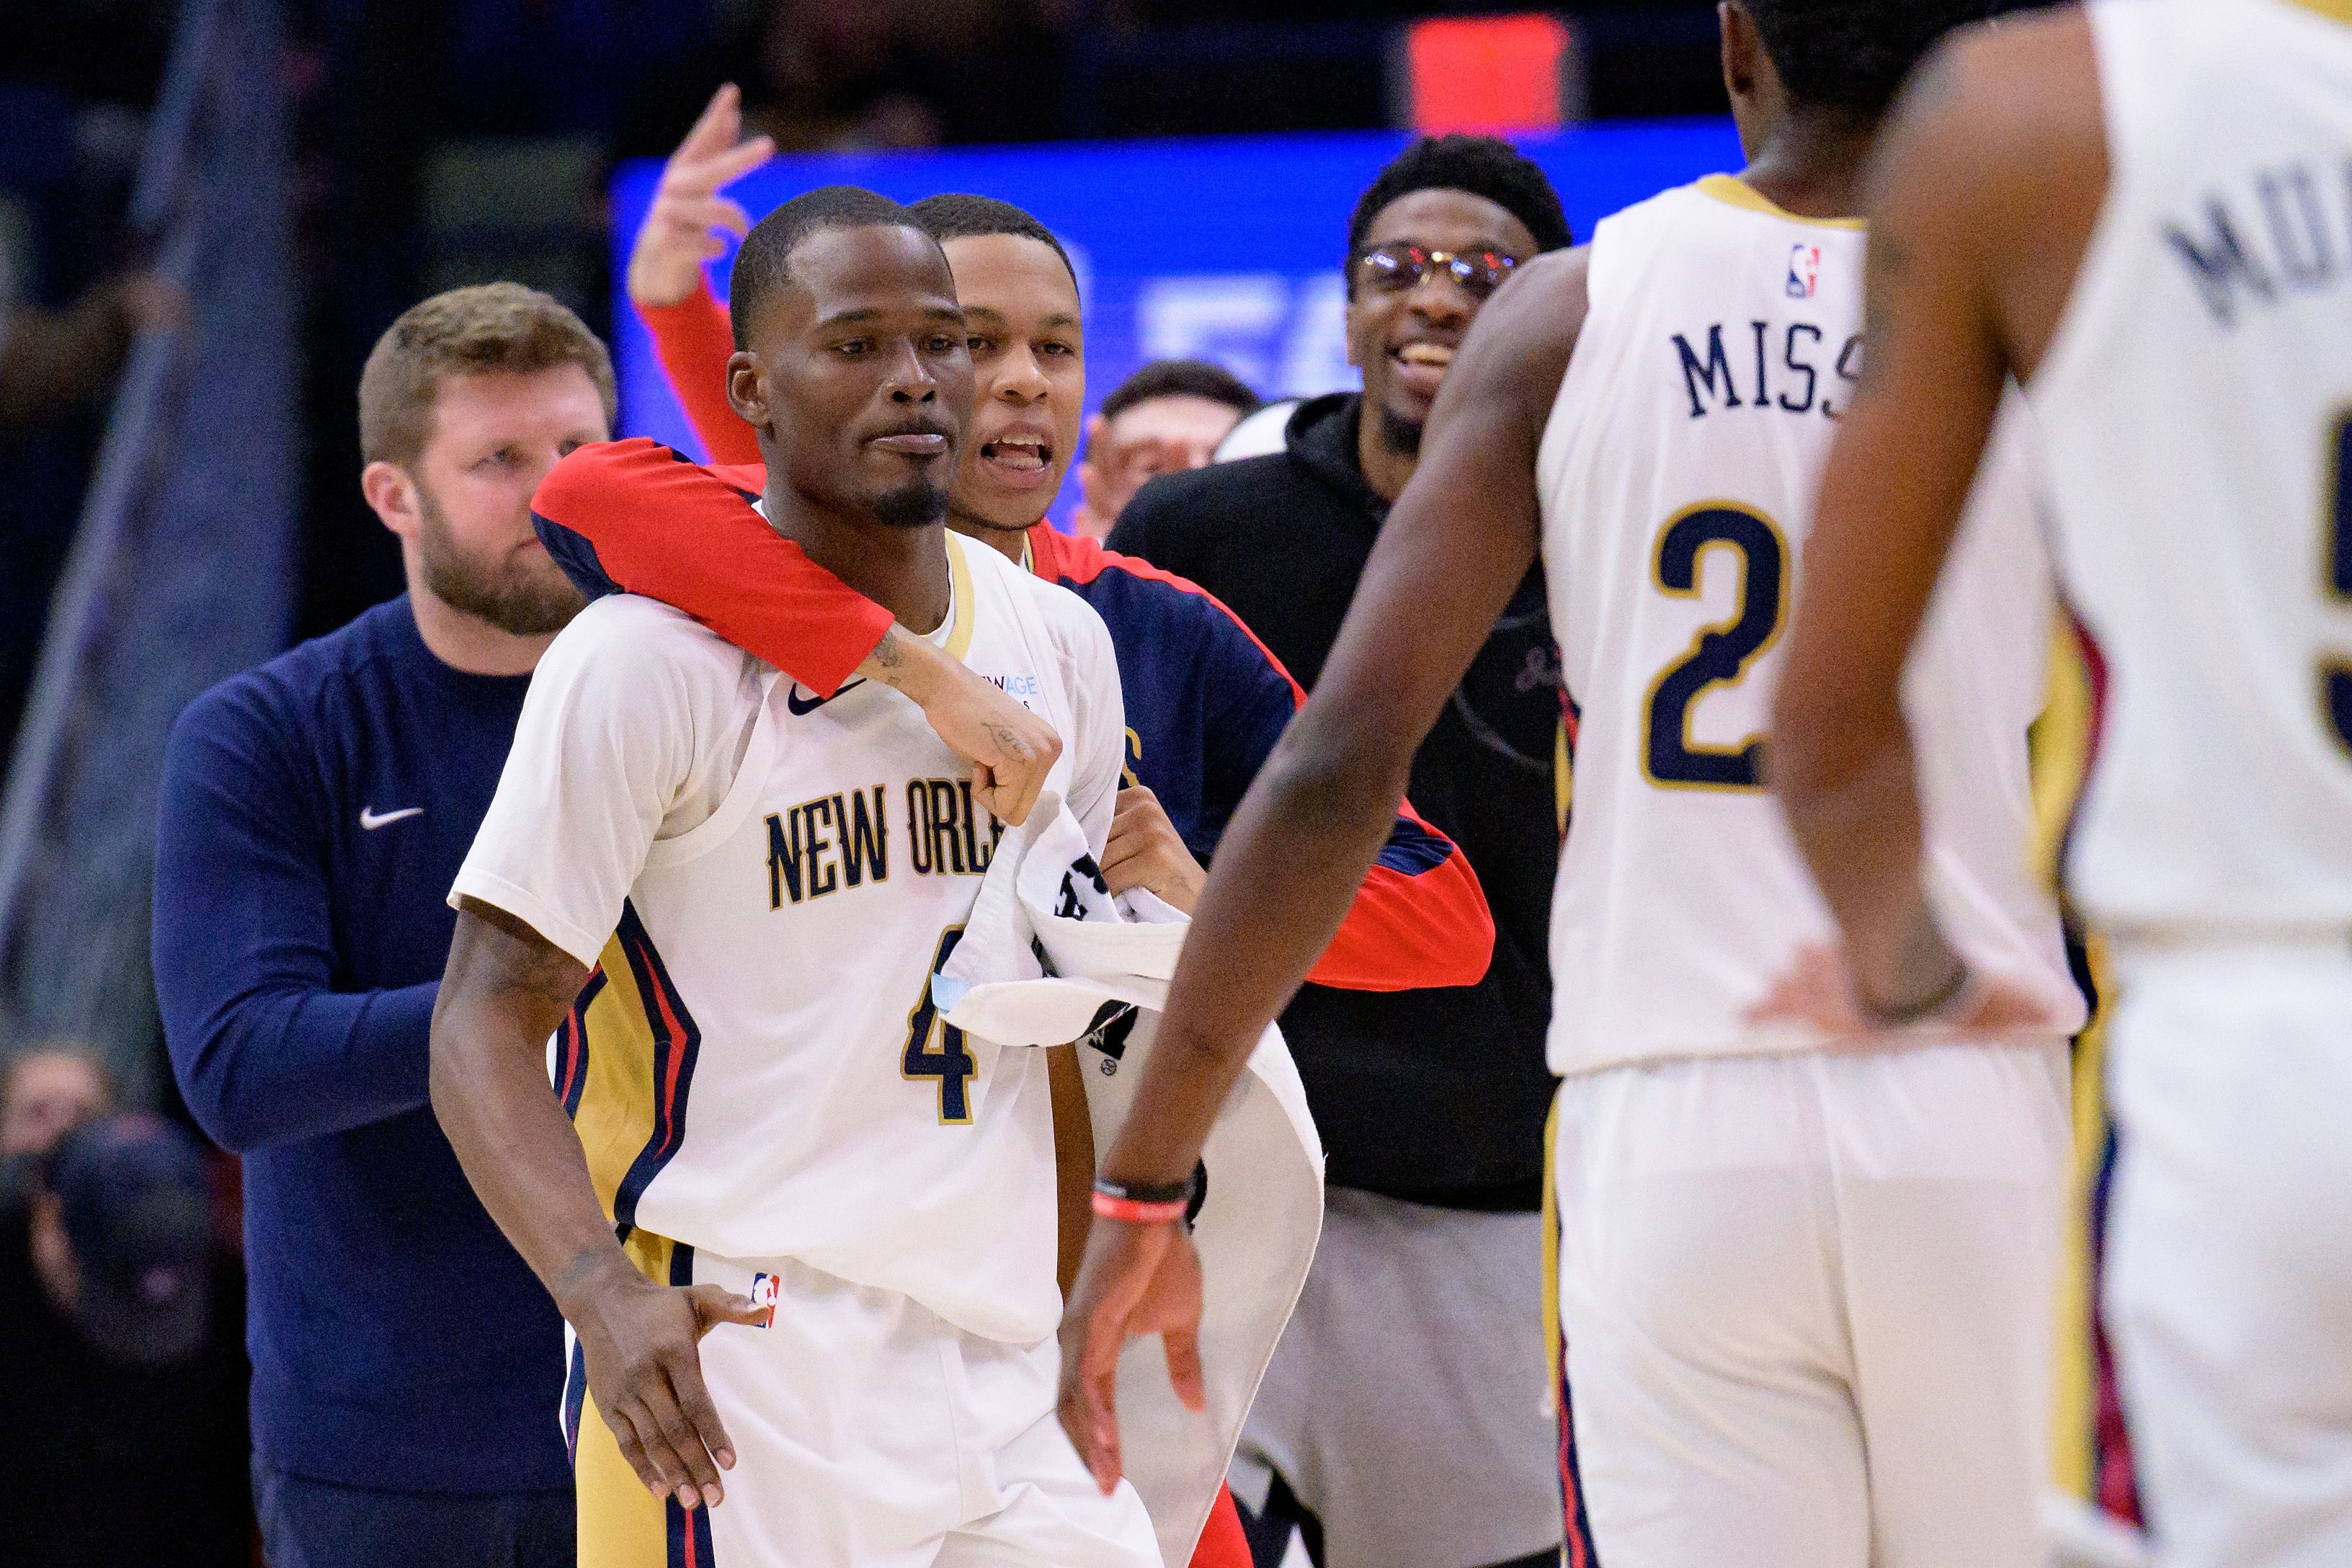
[[1134, 1211]]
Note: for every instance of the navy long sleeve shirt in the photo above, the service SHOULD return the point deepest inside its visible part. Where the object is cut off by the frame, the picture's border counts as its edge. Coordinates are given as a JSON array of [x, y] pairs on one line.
[[314, 813]]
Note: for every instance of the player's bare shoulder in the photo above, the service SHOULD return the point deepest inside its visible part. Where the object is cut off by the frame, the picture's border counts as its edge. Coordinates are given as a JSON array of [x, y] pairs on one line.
[[1521, 342], [1998, 150]]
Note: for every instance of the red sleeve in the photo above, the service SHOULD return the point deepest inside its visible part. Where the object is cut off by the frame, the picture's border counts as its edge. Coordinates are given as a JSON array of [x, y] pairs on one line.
[[635, 517], [1412, 925], [693, 339], [1420, 919], [1221, 1543]]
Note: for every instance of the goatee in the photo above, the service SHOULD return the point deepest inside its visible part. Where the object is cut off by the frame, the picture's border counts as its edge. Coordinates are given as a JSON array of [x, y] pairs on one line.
[[917, 505]]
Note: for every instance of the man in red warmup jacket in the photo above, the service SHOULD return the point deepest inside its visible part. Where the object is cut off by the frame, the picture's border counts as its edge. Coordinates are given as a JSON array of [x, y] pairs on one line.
[[1206, 700]]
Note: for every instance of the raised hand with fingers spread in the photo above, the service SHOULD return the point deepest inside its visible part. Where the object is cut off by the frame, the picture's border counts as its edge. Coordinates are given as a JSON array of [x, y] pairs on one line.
[[684, 228]]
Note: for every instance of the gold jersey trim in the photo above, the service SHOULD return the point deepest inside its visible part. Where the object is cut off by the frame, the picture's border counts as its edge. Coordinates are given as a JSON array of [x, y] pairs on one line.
[[1733, 191]]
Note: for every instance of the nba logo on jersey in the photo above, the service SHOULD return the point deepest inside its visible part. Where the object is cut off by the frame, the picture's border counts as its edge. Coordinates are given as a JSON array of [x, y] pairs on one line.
[[1804, 270], [763, 1296]]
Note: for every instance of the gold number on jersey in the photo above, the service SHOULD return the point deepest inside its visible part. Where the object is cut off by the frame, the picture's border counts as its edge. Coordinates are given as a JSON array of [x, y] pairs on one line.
[[1721, 654], [2336, 568], [950, 1063]]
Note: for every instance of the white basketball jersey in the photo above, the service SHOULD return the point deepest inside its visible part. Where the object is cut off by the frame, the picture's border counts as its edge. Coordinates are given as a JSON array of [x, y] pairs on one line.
[[765, 882], [2197, 408], [1677, 475]]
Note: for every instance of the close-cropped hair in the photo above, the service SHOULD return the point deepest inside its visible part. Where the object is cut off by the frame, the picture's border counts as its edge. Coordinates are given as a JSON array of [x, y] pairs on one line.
[[1180, 378], [1854, 55], [764, 263], [1484, 166], [489, 327], [960, 214]]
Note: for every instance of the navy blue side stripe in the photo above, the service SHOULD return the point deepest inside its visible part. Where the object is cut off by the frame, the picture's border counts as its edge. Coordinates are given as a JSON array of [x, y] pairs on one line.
[[677, 1042], [1413, 849]]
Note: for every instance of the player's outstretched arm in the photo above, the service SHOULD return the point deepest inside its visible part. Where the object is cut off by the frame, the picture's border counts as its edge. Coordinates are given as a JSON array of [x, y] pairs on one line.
[[505, 990], [682, 231], [1455, 547], [1961, 171], [635, 517]]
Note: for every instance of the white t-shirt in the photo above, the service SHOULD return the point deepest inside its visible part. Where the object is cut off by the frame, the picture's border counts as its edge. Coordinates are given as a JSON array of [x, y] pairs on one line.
[[764, 882]]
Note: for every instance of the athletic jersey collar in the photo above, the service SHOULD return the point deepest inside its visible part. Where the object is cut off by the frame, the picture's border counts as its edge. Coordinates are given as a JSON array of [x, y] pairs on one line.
[[1735, 192]]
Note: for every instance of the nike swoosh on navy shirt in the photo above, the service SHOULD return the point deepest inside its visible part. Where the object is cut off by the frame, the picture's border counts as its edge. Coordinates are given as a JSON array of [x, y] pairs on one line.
[[799, 708], [372, 821]]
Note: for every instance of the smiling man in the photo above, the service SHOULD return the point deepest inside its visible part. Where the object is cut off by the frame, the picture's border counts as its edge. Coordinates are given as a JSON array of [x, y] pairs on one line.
[[1394, 1421]]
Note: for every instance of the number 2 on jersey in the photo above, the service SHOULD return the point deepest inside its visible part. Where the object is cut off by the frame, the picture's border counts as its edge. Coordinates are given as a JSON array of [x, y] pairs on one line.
[[1722, 654], [950, 1063], [2336, 671]]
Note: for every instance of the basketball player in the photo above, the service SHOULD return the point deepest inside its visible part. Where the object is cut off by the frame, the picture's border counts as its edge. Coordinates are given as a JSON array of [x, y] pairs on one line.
[[1804, 1274], [2142, 211], [773, 1127]]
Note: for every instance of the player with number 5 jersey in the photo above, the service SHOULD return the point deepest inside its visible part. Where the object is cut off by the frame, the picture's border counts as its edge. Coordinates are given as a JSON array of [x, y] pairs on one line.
[[2141, 211]]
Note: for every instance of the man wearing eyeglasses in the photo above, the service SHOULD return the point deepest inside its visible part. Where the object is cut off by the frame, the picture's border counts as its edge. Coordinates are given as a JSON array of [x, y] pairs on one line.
[[1399, 1423]]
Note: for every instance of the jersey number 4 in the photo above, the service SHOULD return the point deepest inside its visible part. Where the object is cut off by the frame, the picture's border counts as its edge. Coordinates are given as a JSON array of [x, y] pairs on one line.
[[950, 1063], [2335, 669], [1723, 653]]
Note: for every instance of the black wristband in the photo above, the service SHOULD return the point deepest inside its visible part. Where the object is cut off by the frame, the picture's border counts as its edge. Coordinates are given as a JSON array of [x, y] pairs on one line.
[[1147, 1192], [1912, 1012]]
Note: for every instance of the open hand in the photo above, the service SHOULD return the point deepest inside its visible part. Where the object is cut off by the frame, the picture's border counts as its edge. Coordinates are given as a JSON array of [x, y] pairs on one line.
[[682, 229], [641, 1343], [1818, 992], [1135, 1279], [1145, 851]]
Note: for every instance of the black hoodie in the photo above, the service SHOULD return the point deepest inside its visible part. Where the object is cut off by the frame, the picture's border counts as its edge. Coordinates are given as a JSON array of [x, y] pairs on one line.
[[1437, 1097]]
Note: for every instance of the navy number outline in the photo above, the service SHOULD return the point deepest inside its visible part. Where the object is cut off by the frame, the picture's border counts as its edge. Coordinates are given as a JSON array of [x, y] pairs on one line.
[[951, 1064], [1723, 652]]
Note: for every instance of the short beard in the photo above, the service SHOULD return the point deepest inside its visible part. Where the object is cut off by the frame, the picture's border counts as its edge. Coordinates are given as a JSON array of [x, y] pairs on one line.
[[1400, 436], [519, 601], [919, 504]]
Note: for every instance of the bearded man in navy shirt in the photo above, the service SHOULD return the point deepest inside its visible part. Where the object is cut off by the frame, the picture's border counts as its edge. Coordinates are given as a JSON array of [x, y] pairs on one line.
[[407, 1367]]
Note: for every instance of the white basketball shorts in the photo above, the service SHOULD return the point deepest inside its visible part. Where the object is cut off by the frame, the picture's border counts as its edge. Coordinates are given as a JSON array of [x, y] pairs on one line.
[[1807, 1305], [869, 1432]]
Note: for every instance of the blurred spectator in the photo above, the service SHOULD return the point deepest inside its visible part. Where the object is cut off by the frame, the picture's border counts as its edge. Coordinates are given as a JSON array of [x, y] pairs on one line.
[[817, 76], [124, 1321], [48, 1089], [408, 1366], [1393, 1425], [52, 360], [1168, 416]]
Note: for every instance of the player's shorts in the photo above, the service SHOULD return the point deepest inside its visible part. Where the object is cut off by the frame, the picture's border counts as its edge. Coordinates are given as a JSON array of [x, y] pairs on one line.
[[1807, 1305], [2228, 1276], [869, 1432], [1404, 1406]]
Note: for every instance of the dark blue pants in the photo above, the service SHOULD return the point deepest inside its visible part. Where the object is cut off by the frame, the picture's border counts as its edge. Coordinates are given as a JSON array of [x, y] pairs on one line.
[[316, 1524]]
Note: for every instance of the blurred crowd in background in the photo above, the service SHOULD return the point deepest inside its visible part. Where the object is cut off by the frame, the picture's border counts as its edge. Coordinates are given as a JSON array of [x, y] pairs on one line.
[[445, 142]]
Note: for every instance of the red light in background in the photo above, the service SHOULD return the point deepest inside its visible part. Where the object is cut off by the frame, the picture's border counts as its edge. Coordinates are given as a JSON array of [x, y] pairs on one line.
[[1487, 73]]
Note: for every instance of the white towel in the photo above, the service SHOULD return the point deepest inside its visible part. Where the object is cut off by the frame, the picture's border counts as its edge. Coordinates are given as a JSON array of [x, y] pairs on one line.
[[1048, 956]]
